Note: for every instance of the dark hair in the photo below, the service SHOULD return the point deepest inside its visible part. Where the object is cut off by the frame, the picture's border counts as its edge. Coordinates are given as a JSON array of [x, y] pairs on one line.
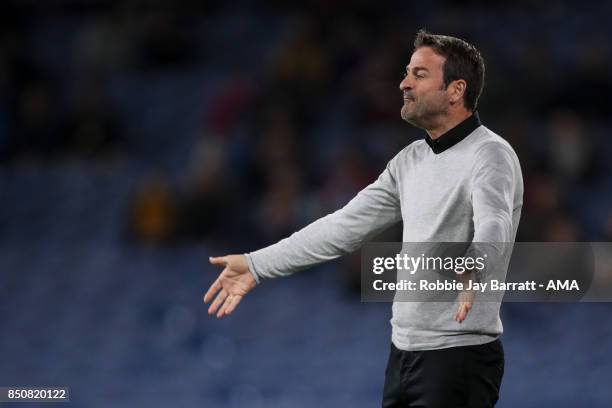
[[463, 61]]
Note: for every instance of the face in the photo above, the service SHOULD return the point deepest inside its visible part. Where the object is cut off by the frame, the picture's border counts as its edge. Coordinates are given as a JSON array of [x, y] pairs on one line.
[[425, 97]]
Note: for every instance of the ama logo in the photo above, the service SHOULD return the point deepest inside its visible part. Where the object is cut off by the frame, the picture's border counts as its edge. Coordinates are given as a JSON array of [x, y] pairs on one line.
[[562, 285]]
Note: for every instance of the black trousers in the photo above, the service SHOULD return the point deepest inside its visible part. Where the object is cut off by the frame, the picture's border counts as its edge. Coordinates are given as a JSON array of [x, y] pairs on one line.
[[456, 377]]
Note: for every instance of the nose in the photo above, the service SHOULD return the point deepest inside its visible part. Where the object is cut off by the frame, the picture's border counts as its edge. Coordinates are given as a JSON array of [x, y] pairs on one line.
[[405, 84]]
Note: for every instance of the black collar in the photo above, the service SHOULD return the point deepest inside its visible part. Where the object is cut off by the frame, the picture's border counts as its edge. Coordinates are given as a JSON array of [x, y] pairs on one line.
[[454, 135]]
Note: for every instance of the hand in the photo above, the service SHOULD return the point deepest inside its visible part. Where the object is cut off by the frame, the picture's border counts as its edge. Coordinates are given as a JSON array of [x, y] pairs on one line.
[[466, 298], [234, 282]]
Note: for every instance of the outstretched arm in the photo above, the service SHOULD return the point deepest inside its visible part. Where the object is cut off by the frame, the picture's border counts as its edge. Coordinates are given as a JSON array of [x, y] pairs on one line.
[[374, 209]]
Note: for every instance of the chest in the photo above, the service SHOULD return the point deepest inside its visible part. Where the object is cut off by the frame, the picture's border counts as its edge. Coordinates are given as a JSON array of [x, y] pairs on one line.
[[440, 184]]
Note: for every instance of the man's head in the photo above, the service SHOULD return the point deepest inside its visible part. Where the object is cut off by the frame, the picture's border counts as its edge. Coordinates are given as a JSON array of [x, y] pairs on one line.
[[445, 73]]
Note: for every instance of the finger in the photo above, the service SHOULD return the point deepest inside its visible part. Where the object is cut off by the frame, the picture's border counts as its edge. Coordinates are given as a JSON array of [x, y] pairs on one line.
[[214, 288], [463, 311], [218, 260], [223, 311], [459, 315], [218, 301], [233, 304]]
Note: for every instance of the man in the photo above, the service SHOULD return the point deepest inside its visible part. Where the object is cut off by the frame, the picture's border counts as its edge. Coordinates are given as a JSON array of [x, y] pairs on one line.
[[463, 183]]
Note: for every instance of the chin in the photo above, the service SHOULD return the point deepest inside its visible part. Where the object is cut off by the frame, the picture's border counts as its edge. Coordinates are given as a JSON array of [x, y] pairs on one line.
[[412, 119], [407, 115]]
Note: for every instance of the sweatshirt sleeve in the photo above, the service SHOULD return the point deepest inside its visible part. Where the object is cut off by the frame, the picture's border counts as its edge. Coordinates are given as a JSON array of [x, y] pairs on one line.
[[494, 183], [373, 210]]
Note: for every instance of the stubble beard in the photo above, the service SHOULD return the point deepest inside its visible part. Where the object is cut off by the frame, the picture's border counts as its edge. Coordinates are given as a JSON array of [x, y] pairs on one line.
[[422, 117], [410, 115]]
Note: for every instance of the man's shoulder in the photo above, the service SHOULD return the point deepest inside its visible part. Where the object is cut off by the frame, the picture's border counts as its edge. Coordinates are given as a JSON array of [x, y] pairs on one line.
[[416, 148], [487, 141], [410, 155]]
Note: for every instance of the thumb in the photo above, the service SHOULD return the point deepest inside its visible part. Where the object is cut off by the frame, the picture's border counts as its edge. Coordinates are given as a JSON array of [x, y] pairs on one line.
[[218, 260]]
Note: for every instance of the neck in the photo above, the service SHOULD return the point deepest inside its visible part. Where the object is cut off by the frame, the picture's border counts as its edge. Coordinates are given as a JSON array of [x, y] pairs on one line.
[[449, 121]]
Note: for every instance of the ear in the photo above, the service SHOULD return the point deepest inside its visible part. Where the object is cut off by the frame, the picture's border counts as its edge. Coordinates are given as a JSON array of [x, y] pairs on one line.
[[457, 90]]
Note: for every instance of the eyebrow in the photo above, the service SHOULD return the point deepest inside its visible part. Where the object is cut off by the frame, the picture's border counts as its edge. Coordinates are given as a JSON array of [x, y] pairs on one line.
[[416, 69]]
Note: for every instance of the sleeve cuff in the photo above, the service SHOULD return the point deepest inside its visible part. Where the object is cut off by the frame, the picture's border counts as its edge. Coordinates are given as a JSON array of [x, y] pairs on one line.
[[252, 268]]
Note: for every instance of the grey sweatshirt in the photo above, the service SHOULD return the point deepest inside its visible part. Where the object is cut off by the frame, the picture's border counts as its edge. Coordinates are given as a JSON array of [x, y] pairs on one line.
[[465, 186]]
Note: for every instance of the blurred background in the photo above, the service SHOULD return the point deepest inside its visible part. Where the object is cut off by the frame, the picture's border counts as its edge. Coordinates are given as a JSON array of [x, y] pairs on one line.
[[137, 138]]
